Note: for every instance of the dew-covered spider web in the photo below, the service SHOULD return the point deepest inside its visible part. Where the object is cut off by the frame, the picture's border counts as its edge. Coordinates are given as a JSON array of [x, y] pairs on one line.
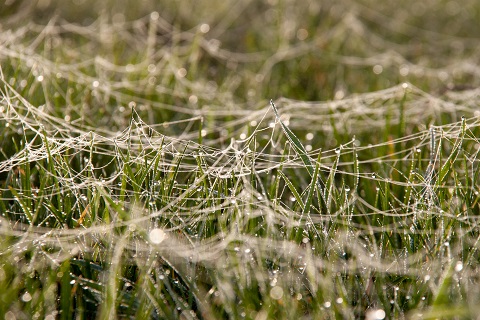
[[149, 143]]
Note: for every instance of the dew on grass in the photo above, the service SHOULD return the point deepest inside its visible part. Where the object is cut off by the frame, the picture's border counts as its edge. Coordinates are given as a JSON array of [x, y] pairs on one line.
[[459, 266], [204, 28], [339, 95], [151, 68], [182, 72], [377, 69], [154, 15], [26, 297]]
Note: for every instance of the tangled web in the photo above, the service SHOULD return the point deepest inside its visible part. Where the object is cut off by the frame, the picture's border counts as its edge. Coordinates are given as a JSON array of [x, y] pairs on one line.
[[154, 165]]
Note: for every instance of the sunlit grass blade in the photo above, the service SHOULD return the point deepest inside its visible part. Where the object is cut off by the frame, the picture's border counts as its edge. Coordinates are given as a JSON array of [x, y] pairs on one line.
[[295, 142]]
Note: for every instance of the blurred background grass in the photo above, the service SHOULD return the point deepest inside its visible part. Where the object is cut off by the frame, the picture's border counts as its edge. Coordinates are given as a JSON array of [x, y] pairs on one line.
[[307, 50]]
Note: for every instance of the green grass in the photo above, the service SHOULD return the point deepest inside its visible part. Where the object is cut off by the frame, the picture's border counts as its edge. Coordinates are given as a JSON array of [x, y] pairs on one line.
[[146, 174]]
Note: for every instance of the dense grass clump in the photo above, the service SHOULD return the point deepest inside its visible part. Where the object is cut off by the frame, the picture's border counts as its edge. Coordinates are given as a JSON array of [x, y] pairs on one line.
[[146, 174]]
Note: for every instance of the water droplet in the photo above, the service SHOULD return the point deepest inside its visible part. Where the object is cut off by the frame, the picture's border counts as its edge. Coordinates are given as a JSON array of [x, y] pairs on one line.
[[378, 314], [204, 28], [276, 293], [26, 297], [157, 235], [459, 266]]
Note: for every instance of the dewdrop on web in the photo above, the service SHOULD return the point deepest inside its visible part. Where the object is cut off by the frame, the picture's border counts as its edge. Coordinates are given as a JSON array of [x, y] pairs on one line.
[[157, 236], [375, 314]]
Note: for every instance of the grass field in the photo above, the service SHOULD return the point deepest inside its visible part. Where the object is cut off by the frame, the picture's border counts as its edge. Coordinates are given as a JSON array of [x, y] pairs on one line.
[[145, 173]]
